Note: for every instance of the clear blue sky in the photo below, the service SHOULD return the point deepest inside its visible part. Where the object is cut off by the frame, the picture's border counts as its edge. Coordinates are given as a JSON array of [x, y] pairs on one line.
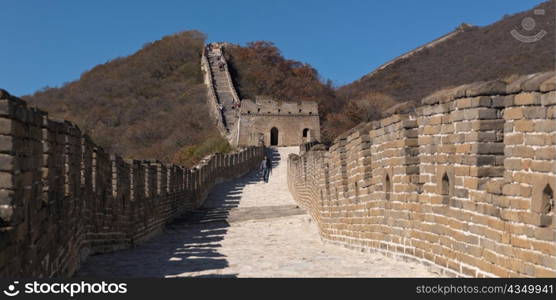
[[52, 42]]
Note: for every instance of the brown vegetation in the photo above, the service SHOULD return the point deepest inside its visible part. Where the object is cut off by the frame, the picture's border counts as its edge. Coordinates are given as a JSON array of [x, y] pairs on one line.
[[260, 69], [479, 53], [152, 103], [190, 155], [147, 105], [369, 107]]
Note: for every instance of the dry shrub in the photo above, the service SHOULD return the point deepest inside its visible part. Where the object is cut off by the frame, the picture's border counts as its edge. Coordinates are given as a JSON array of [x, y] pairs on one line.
[[147, 105]]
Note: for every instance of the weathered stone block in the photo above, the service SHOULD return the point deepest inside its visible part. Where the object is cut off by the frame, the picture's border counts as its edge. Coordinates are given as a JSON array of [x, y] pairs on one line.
[[6, 197], [513, 113], [502, 101], [441, 96], [6, 212], [524, 125], [6, 144], [482, 160], [546, 153], [494, 87], [522, 151], [515, 86], [542, 166], [6, 180], [480, 113], [548, 99], [527, 99], [513, 139], [6, 162], [534, 112], [496, 124], [487, 171], [545, 126], [534, 83], [6, 126], [535, 139], [488, 148], [548, 85], [551, 112], [5, 108]]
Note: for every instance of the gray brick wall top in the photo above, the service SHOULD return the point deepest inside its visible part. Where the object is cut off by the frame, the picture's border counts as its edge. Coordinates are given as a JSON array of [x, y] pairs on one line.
[[63, 198]]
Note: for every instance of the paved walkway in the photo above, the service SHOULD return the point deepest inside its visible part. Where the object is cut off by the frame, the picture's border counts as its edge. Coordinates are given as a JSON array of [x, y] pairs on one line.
[[247, 228]]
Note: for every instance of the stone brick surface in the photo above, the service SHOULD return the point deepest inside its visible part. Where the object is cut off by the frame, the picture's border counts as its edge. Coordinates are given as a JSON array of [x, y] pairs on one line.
[[245, 122], [62, 198], [294, 123], [471, 191]]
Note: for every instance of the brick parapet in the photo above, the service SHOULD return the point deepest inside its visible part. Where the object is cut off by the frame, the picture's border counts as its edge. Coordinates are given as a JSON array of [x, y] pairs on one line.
[[62, 198], [464, 183]]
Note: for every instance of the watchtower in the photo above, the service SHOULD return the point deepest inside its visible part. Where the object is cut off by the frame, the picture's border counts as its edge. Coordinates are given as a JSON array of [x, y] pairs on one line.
[[277, 123]]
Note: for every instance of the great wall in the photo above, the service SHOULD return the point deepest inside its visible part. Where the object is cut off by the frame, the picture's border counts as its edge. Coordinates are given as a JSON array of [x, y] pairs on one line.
[[222, 96], [463, 183], [461, 186], [62, 198], [245, 122]]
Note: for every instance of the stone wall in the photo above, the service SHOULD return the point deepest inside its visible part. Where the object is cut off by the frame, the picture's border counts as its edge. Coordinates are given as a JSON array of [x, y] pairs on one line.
[[63, 198], [295, 123], [212, 99], [221, 100], [464, 183]]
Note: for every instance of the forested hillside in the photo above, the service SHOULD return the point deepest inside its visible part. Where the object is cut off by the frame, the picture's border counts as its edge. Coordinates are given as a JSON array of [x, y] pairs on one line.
[[476, 54], [150, 104]]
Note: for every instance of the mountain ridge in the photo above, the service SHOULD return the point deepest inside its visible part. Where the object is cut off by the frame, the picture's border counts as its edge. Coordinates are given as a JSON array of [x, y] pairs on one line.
[[135, 105]]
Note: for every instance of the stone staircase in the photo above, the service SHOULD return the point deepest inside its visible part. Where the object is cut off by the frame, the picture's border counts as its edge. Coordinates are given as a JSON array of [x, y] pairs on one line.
[[225, 92]]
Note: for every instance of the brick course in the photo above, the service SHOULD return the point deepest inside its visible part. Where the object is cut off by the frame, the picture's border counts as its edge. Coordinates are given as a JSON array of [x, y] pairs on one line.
[[62, 198], [465, 183]]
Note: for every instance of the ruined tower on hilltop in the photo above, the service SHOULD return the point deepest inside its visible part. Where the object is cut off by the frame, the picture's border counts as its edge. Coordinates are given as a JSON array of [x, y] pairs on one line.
[[250, 123]]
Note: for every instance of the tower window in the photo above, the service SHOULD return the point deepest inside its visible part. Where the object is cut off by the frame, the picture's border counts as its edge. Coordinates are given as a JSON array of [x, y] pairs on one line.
[[387, 187], [356, 192], [547, 200], [445, 184]]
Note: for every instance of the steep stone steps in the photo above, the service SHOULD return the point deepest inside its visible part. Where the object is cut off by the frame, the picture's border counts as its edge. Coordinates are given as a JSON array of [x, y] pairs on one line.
[[224, 89]]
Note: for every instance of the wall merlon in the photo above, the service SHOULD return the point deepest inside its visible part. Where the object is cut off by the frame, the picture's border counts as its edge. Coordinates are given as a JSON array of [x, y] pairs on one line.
[[473, 158], [275, 122], [89, 197]]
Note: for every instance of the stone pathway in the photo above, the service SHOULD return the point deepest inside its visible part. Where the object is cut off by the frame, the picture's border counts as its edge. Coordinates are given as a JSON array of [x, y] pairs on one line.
[[247, 228]]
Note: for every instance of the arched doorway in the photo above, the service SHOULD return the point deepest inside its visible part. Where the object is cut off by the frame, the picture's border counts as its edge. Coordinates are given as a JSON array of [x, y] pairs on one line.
[[306, 135], [274, 136]]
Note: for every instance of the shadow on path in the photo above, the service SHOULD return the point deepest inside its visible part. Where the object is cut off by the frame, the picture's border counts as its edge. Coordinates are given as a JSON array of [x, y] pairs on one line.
[[188, 245]]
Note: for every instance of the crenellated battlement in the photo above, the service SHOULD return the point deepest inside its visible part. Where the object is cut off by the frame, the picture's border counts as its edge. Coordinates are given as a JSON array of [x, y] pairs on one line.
[[252, 123], [264, 105], [278, 123], [63, 198], [464, 183]]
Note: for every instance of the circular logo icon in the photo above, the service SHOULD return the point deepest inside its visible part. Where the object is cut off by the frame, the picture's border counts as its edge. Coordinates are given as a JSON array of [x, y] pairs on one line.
[[528, 24]]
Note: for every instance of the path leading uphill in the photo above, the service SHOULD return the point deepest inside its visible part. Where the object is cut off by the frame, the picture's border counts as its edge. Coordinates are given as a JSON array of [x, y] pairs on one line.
[[247, 228], [224, 88]]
